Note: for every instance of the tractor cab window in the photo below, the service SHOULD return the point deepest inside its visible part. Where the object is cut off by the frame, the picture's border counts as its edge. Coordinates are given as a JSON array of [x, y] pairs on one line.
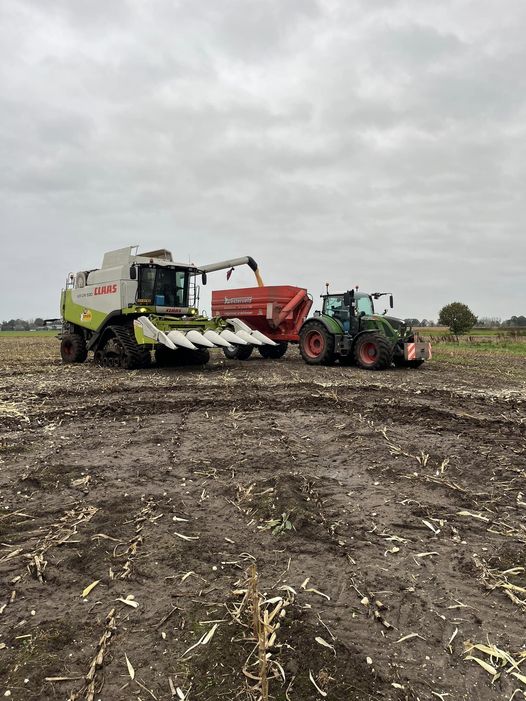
[[333, 305], [364, 304], [163, 287]]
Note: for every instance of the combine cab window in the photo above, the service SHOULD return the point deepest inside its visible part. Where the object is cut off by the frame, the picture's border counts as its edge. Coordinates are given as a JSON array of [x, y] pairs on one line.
[[163, 287]]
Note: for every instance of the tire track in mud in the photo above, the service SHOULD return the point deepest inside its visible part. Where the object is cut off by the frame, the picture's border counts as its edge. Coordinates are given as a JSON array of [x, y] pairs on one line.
[[337, 451]]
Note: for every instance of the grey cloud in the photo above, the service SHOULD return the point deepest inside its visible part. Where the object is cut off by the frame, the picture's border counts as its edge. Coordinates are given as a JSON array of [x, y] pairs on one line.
[[379, 143]]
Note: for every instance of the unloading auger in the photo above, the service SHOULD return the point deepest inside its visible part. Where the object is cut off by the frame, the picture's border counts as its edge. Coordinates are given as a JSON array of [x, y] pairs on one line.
[[135, 303]]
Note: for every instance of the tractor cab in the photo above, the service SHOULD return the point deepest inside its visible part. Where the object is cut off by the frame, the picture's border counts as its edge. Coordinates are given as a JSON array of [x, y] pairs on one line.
[[348, 308]]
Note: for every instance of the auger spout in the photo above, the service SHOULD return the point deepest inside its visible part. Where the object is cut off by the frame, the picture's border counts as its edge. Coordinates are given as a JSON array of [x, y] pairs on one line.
[[232, 263]]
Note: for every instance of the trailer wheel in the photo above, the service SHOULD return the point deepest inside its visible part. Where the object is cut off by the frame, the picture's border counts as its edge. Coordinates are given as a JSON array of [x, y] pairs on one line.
[[238, 352], [73, 348], [273, 352], [373, 352], [316, 344]]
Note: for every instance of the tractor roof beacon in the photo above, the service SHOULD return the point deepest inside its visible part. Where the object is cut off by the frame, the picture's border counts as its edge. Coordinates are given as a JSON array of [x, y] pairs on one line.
[[348, 330], [139, 302]]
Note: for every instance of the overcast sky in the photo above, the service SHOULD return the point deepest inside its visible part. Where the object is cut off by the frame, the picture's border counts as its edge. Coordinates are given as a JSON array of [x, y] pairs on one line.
[[378, 143]]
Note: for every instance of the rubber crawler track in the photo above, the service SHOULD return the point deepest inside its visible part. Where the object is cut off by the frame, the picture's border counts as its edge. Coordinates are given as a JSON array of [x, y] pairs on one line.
[[135, 356]]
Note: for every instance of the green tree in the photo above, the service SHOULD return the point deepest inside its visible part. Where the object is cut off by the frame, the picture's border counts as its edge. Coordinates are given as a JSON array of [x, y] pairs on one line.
[[458, 317]]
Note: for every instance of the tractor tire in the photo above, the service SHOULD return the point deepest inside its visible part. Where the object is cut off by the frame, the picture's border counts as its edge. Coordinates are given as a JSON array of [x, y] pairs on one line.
[[373, 351], [273, 352], [121, 350], [317, 344], [238, 352], [73, 348], [401, 362]]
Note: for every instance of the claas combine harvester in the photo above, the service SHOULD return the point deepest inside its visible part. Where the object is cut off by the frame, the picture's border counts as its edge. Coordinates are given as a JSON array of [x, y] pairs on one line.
[[135, 303]]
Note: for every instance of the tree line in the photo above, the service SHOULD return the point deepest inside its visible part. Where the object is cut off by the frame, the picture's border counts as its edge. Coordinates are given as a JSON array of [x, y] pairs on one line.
[[23, 324]]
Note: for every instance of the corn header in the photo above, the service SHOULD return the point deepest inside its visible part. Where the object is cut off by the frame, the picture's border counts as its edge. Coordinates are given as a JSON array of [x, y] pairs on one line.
[[136, 303]]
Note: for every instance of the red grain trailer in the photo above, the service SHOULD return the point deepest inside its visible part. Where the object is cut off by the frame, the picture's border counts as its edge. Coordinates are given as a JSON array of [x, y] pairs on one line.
[[276, 311]]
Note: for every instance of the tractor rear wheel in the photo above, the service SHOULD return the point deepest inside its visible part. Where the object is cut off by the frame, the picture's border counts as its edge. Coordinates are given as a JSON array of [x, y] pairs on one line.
[[73, 348], [316, 344], [373, 352], [121, 350], [238, 352], [273, 352]]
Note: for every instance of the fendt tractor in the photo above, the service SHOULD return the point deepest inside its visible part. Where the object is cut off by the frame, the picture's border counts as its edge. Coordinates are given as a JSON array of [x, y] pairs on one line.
[[347, 329], [136, 303]]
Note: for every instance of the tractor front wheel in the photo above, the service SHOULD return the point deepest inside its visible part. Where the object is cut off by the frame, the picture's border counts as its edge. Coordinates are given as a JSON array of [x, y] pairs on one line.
[[273, 352], [238, 352], [73, 348], [317, 344], [373, 352]]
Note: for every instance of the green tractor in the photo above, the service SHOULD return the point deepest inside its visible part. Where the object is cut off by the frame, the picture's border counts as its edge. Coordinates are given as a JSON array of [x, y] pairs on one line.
[[348, 329]]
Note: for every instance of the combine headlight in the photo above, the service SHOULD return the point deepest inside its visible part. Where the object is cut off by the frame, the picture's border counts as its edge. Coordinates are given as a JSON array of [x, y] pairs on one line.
[[192, 311], [143, 310]]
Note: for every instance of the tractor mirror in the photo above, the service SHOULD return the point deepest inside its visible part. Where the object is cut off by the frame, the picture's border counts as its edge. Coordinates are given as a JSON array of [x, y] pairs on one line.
[[203, 278], [391, 303], [133, 273]]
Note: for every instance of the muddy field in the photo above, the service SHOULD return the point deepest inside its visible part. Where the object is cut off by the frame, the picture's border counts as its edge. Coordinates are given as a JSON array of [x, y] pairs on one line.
[[375, 520]]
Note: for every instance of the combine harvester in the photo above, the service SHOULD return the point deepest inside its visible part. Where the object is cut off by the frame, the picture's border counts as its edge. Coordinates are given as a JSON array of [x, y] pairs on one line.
[[138, 302]]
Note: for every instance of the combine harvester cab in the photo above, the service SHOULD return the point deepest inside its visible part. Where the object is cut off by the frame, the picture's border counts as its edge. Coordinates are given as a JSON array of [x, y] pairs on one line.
[[136, 303], [275, 312]]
